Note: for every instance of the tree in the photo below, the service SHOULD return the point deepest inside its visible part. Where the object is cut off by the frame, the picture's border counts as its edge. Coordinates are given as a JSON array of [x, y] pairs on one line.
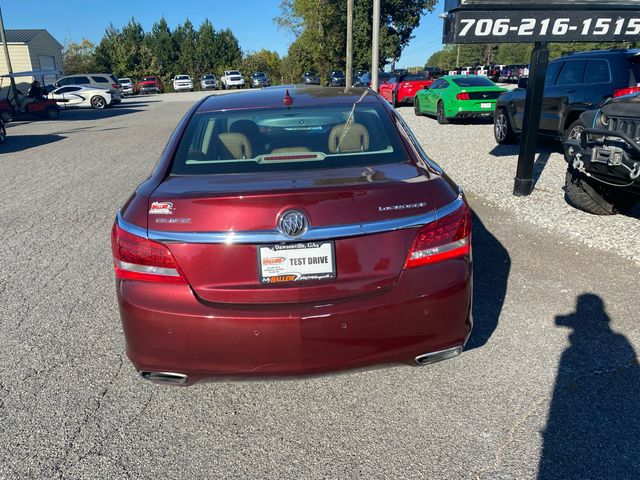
[[263, 61], [79, 57], [319, 26], [227, 50], [163, 47], [206, 49], [186, 39], [105, 51]]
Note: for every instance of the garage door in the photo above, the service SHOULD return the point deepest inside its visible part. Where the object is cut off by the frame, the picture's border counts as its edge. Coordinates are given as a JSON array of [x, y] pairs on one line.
[[47, 63]]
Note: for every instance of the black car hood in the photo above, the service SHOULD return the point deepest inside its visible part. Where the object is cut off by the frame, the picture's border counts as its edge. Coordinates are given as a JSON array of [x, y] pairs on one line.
[[627, 106]]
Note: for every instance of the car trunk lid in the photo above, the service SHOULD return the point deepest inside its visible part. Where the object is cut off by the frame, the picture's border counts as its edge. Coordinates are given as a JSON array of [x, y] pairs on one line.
[[190, 208]]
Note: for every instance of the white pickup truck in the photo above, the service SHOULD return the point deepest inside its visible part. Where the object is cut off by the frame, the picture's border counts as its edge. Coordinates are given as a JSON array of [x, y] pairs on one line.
[[232, 78]]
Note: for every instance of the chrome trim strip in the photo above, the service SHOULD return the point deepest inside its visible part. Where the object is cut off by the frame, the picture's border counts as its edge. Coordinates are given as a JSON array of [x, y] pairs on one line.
[[130, 227], [311, 235]]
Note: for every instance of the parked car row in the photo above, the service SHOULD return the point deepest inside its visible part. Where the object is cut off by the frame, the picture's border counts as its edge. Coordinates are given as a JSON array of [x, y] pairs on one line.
[[591, 103]]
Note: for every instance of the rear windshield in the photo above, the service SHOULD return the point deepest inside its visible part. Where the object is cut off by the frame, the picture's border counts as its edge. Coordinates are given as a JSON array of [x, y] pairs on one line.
[[182, 77], [233, 72], [282, 139], [149, 79], [473, 82], [207, 77]]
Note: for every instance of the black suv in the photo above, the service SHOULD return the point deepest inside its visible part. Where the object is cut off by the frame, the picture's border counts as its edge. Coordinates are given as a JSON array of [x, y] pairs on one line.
[[574, 83], [604, 161]]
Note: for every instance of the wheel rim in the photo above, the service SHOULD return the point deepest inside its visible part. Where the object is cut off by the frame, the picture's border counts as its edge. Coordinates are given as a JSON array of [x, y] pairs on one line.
[[575, 132], [440, 112], [98, 102], [501, 127]]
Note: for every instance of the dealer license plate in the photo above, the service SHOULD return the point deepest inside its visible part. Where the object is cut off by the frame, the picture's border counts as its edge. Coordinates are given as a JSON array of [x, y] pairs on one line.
[[296, 262], [486, 105]]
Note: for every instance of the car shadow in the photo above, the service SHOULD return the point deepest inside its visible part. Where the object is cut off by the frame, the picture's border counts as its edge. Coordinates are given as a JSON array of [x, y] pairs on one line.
[[491, 267], [88, 114], [19, 143], [593, 426]]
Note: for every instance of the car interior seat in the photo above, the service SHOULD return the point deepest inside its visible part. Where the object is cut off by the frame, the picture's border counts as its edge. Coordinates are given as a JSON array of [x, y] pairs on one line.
[[234, 146], [345, 138]]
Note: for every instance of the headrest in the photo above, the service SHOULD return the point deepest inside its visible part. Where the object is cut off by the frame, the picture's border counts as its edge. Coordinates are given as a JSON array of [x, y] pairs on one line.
[[348, 139], [237, 144]]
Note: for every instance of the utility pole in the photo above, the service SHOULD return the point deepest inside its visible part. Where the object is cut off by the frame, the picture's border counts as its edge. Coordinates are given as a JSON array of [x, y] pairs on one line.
[[6, 55], [375, 45], [349, 72]]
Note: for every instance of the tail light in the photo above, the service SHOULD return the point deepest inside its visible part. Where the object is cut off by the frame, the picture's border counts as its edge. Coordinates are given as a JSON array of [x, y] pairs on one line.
[[625, 91], [137, 258], [446, 238], [115, 86], [463, 96]]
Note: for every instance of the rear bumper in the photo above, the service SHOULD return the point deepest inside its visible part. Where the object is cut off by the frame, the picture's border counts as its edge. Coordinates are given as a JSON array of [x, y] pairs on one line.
[[168, 329]]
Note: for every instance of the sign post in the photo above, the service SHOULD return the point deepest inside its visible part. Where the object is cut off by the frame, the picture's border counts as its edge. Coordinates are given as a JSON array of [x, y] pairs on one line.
[[539, 22]]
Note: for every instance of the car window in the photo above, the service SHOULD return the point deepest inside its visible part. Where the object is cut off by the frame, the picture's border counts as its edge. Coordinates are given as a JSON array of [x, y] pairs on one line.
[[234, 72], [149, 79], [444, 84], [182, 77], [100, 79], [66, 81], [81, 81], [414, 77], [597, 72], [473, 82], [552, 73], [435, 85], [124, 80], [65, 90], [572, 73], [281, 139]]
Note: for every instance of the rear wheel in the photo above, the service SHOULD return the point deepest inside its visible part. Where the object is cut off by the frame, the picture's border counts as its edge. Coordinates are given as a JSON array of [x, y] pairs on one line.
[[98, 102], [589, 196], [440, 114], [6, 116], [574, 131], [502, 129], [52, 113], [416, 107]]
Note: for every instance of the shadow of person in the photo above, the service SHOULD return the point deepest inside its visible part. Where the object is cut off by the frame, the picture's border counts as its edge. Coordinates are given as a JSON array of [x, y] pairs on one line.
[[491, 266], [593, 427]]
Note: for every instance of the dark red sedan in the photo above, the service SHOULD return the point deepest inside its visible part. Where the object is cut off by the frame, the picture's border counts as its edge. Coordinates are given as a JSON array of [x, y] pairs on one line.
[[288, 232]]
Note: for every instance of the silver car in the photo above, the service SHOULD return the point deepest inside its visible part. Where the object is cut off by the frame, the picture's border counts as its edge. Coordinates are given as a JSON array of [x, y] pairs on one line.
[[208, 81], [259, 80]]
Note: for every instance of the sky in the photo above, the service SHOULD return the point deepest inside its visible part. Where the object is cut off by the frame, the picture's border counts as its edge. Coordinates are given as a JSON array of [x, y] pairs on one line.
[[251, 21]]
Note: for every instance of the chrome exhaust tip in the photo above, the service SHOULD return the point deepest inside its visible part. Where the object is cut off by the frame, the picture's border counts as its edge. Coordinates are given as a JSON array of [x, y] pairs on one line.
[[165, 377], [434, 357]]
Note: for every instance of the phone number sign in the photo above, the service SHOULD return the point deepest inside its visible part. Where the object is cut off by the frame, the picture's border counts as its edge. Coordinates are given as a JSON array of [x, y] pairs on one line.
[[521, 26]]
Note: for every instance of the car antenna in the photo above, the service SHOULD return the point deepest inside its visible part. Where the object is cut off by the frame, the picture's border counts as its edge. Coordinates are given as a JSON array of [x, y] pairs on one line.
[[288, 100]]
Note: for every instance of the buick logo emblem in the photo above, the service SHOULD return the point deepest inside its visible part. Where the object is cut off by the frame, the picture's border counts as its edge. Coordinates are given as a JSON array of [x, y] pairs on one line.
[[293, 223]]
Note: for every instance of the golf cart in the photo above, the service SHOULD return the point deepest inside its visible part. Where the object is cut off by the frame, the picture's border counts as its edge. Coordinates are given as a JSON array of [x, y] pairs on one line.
[[14, 105]]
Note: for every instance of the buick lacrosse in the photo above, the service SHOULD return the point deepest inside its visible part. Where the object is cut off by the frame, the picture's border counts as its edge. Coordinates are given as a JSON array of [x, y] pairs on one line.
[[292, 231]]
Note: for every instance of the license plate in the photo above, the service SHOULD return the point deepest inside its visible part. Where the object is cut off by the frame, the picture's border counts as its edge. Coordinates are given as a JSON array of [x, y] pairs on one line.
[[486, 105], [296, 262]]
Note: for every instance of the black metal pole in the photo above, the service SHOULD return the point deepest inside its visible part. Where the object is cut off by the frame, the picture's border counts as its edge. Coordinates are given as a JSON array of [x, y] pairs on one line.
[[531, 122]]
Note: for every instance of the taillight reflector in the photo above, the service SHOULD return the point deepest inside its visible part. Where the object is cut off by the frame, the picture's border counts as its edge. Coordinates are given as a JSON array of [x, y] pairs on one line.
[[446, 238], [463, 96], [625, 91], [137, 258]]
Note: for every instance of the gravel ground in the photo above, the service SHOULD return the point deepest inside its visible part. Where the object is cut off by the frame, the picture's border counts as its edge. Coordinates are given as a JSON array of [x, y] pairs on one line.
[[470, 155], [548, 387]]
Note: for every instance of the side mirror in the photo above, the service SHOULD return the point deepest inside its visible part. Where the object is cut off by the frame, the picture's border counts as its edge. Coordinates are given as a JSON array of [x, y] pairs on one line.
[[523, 82], [426, 87]]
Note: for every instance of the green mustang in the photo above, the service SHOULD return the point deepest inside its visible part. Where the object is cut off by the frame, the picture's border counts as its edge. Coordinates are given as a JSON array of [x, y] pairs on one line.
[[458, 96]]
